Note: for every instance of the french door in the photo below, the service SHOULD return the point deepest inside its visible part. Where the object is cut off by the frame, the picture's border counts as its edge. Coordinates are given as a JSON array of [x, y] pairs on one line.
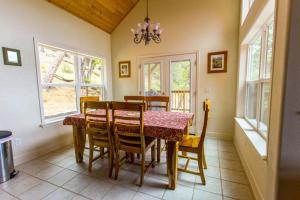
[[173, 75]]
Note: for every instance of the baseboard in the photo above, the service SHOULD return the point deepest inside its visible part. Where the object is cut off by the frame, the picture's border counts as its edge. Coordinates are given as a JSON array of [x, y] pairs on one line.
[[220, 135], [37, 152], [253, 184]]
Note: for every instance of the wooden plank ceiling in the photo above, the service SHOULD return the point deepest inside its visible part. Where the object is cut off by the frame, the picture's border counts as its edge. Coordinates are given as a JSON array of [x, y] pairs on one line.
[[105, 14]]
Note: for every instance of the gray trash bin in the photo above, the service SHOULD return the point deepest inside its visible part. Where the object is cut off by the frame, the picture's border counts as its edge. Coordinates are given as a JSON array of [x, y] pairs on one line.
[[7, 170]]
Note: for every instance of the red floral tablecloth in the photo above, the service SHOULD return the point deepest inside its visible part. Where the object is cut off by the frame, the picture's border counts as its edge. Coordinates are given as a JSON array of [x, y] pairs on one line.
[[159, 124]]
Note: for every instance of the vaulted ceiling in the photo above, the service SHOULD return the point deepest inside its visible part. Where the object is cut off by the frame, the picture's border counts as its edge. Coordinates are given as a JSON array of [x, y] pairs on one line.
[[105, 14]]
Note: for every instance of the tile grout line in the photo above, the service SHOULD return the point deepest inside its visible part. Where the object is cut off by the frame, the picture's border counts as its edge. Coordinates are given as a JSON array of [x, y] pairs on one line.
[[58, 187], [10, 194], [228, 180], [37, 184], [116, 184], [54, 164], [27, 189], [50, 193], [220, 174]]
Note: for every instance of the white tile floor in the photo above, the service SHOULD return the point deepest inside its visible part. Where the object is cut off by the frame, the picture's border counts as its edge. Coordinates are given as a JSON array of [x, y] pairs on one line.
[[57, 176]]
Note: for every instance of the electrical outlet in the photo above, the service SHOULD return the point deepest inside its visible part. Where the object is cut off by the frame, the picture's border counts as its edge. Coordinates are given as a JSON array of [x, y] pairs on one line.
[[18, 142]]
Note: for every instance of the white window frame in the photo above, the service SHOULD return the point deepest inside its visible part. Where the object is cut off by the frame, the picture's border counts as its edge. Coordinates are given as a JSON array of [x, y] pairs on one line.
[[263, 32], [77, 85], [250, 3], [246, 6], [101, 85]]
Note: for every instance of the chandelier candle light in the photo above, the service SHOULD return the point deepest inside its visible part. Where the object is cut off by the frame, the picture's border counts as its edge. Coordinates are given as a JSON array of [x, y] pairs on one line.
[[147, 31]]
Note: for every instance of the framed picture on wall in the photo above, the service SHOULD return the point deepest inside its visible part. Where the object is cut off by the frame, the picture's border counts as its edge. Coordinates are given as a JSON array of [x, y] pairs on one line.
[[11, 56], [124, 69], [217, 62]]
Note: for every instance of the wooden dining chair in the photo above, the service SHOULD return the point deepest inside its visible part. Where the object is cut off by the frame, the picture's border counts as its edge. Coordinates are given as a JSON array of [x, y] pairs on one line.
[[134, 98], [195, 144], [139, 99], [158, 103], [87, 99], [129, 134], [97, 127]]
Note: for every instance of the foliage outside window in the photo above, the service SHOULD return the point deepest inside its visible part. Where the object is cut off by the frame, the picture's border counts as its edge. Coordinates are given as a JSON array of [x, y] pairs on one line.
[[152, 82], [258, 87], [64, 76], [181, 85]]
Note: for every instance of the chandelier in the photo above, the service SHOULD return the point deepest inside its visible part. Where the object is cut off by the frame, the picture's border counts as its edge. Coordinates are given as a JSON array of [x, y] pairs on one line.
[[147, 31]]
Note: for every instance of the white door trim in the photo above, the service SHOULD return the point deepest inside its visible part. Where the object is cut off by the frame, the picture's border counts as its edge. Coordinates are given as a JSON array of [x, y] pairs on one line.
[[166, 59]]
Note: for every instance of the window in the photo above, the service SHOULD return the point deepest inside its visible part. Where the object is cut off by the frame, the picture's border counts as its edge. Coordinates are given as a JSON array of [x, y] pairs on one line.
[[152, 81], [247, 4], [250, 3], [258, 87], [64, 76], [91, 76]]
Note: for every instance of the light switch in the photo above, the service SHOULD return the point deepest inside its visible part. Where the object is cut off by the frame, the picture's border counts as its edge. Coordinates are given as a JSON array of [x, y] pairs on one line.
[[207, 90]]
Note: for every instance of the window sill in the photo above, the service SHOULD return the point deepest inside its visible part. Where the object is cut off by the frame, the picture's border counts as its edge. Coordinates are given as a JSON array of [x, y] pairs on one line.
[[52, 122], [259, 143], [55, 121]]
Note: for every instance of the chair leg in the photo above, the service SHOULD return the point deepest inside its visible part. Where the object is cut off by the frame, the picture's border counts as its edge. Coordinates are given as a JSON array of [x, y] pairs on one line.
[[91, 157], [158, 150], [84, 138], [153, 155], [142, 169], [131, 157], [111, 162], [203, 159], [200, 166], [165, 146], [117, 164], [101, 152], [127, 156]]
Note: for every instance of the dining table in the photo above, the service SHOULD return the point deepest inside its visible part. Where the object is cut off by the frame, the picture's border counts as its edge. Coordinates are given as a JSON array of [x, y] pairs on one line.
[[169, 126]]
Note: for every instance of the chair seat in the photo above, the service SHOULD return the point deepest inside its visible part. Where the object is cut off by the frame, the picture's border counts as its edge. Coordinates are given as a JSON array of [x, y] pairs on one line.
[[190, 141]]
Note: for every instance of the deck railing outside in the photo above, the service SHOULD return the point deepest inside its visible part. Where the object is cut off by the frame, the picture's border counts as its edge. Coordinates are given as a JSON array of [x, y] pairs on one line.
[[180, 100]]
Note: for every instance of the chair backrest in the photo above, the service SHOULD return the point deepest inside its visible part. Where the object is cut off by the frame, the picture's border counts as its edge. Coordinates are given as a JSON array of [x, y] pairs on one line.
[[158, 102], [206, 109], [138, 99], [98, 123], [129, 126], [87, 99], [134, 98]]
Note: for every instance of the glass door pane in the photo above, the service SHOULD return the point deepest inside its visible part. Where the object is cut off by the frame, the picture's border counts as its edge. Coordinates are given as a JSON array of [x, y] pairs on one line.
[[265, 107], [180, 86], [251, 103], [152, 79]]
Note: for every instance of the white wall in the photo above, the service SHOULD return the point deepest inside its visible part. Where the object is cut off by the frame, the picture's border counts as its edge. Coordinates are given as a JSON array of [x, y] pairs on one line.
[[262, 174], [289, 162], [20, 21], [279, 70], [190, 25], [254, 165]]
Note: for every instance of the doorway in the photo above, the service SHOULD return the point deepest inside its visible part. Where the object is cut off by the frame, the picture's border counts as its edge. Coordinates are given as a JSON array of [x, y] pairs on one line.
[[172, 75]]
